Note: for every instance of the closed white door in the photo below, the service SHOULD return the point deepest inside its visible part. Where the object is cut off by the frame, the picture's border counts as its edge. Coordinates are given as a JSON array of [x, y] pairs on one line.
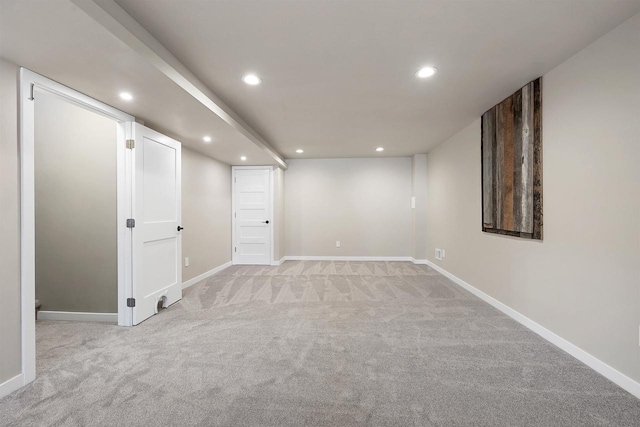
[[252, 203], [157, 244]]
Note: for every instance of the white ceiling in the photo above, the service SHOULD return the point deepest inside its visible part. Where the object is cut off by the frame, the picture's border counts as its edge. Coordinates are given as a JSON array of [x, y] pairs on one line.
[[338, 75], [56, 39]]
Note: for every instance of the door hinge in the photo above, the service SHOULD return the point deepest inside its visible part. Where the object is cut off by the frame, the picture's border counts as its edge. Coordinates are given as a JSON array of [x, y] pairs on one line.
[[131, 223], [235, 214], [131, 144], [131, 302], [235, 249]]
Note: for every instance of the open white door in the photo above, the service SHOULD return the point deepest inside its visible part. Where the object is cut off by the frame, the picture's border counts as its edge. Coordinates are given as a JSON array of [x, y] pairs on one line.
[[156, 207], [252, 215]]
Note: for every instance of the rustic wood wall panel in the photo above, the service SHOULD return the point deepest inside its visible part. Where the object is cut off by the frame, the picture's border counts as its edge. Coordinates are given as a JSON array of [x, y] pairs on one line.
[[512, 165]]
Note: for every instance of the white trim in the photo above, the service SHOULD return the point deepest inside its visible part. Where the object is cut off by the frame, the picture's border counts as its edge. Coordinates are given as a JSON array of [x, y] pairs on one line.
[[205, 275], [78, 316], [11, 385], [346, 258], [125, 249], [594, 363], [272, 203], [29, 82], [419, 261], [278, 262]]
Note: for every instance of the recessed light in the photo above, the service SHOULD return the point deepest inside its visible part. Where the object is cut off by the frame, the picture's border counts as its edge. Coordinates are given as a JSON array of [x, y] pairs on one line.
[[379, 149], [243, 158], [425, 72], [206, 139], [126, 96], [251, 79], [299, 151]]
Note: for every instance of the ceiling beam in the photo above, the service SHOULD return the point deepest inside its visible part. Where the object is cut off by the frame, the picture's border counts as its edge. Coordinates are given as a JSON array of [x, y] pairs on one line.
[[118, 22]]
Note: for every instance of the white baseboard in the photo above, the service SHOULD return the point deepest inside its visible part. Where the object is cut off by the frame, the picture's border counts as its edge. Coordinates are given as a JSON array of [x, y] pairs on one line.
[[78, 316], [205, 275], [346, 258], [594, 363], [420, 261], [11, 385], [279, 262]]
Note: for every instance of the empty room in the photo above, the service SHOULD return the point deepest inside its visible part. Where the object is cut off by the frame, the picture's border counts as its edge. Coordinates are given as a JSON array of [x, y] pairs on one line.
[[319, 213]]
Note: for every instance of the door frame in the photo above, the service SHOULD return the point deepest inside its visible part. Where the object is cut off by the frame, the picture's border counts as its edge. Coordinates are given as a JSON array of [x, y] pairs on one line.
[[29, 83], [233, 210]]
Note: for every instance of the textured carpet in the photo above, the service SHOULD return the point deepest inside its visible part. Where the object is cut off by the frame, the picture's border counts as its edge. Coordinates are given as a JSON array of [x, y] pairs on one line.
[[314, 343]]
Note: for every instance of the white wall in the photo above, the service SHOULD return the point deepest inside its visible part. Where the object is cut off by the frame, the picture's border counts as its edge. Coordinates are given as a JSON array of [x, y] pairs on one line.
[[10, 340], [364, 203], [583, 281], [75, 200], [206, 213]]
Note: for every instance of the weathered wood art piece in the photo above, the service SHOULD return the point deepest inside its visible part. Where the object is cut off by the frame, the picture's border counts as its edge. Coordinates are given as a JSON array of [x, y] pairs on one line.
[[512, 165]]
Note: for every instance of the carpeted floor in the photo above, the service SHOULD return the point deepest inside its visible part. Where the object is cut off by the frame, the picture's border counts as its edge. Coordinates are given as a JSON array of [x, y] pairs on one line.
[[318, 344]]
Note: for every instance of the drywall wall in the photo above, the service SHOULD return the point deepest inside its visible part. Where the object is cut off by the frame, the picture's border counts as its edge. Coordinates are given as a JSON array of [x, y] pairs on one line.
[[75, 199], [206, 213], [582, 281], [419, 209], [10, 340], [278, 213], [363, 203]]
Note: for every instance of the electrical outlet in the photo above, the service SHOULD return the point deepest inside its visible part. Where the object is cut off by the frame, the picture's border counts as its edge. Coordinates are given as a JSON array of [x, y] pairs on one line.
[[186, 261], [438, 254], [442, 253], [337, 243]]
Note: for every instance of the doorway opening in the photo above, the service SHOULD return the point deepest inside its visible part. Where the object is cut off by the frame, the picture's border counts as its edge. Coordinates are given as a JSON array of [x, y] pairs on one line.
[[76, 265], [73, 233]]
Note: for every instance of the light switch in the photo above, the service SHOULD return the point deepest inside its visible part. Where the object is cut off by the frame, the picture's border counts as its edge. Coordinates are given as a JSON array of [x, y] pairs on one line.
[[186, 261], [337, 243]]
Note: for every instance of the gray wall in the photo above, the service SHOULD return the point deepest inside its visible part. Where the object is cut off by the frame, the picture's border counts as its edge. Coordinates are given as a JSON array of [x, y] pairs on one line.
[[278, 213], [419, 213], [364, 203], [75, 183], [583, 281], [10, 363], [206, 213]]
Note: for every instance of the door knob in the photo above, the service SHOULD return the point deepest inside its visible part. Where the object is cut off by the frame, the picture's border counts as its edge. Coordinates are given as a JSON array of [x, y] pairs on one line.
[[265, 222], [180, 228]]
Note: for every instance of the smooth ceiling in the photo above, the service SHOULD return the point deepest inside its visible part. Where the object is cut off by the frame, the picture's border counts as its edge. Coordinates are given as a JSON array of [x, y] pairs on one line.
[[339, 75], [56, 39]]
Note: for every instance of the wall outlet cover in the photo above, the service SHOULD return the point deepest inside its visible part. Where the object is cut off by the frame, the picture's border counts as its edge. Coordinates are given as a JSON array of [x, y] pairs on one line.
[[337, 243], [186, 261]]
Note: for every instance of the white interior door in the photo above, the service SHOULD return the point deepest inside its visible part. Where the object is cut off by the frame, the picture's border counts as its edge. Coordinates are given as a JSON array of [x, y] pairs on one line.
[[157, 243], [252, 204]]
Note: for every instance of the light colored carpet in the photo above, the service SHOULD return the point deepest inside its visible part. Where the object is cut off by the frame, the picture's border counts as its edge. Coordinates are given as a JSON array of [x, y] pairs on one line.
[[314, 343]]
